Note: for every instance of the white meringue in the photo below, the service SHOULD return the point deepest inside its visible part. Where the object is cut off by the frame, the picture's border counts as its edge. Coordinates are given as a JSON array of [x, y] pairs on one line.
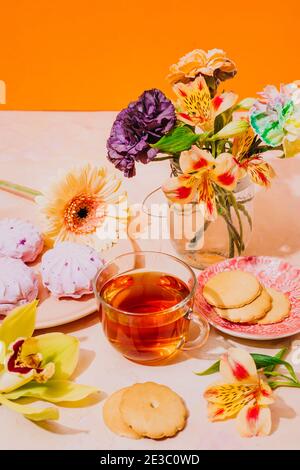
[[18, 284], [20, 239], [69, 269]]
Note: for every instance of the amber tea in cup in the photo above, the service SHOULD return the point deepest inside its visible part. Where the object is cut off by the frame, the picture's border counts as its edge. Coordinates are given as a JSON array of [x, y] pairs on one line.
[[145, 311]]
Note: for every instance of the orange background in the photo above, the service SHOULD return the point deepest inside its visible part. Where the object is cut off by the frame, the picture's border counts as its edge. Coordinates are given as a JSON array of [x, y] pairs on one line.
[[98, 55]]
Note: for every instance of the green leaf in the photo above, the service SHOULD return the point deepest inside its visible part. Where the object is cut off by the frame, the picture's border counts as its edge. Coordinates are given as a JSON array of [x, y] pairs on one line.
[[211, 370], [54, 391], [19, 323], [280, 383], [179, 139], [281, 353], [231, 129], [262, 360], [219, 122], [61, 349], [31, 412]]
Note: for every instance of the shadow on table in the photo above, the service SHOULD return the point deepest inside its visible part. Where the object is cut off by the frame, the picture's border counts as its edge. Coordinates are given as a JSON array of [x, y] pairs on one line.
[[58, 428], [218, 343], [86, 357], [280, 410]]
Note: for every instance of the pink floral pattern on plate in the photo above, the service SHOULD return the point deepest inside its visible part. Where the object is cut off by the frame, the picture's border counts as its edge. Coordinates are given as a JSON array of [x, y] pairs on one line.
[[271, 272]]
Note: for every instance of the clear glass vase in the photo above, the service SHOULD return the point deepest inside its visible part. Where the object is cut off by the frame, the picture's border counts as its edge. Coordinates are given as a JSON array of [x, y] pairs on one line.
[[204, 242]]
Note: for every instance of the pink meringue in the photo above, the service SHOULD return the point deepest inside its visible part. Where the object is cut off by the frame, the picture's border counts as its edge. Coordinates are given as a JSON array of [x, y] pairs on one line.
[[69, 269], [18, 284], [20, 239]]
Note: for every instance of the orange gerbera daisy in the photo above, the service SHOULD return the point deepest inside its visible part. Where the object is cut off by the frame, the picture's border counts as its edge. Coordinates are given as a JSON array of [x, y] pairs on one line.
[[85, 205]]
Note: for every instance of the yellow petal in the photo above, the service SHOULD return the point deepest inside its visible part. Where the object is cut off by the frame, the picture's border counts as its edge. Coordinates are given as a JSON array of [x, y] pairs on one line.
[[206, 194], [291, 148], [2, 352], [260, 171], [228, 393], [221, 411], [254, 420], [31, 412], [54, 391], [195, 160], [265, 396], [232, 129], [237, 365], [10, 381], [61, 349], [242, 143], [19, 323], [195, 104]]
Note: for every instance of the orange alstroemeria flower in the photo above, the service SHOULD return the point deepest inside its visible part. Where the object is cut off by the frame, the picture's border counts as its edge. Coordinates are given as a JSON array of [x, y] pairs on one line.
[[213, 62], [200, 171], [259, 171], [196, 107], [244, 395]]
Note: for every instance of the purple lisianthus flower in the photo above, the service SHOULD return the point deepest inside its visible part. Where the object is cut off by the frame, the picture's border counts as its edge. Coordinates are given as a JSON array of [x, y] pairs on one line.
[[138, 126]]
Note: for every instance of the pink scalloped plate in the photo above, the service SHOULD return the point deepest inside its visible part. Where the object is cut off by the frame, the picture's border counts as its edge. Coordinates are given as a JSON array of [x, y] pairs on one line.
[[271, 272]]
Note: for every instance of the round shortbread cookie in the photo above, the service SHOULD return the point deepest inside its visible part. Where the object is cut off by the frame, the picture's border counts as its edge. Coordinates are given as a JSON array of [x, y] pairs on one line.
[[249, 313], [153, 410], [280, 308], [231, 289], [112, 416]]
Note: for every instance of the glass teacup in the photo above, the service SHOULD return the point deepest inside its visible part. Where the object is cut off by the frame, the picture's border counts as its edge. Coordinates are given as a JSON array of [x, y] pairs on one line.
[[146, 304]]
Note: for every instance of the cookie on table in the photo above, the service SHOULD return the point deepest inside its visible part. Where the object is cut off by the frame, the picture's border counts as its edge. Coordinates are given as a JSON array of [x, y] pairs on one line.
[[280, 308], [249, 313], [231, 289], [113, 418], [153, 410]]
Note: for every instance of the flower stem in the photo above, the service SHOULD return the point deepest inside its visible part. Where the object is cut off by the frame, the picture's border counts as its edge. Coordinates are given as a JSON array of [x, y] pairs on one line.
[[243, 209], [234, 236], [277, 374], [160, 159], [236, 209], [19, 190], [284, 384]]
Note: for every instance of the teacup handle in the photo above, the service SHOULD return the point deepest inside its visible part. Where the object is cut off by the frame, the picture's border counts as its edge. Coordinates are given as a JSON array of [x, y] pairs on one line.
[[203, 331]]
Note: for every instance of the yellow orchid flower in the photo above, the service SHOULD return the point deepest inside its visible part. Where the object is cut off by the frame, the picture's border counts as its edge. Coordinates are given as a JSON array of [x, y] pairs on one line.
[[37, 367], [195, 106], [245, 395]]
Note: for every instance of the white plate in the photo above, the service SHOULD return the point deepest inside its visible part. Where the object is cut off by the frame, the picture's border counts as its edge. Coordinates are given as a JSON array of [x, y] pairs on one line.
[[271, 272], [52, 312]]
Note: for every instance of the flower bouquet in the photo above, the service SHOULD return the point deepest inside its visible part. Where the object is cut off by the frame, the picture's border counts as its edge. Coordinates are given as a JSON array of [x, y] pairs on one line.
[[215, 144]]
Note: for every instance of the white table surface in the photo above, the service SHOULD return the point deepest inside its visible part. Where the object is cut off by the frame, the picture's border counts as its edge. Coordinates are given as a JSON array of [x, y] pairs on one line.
[[32, 146]]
